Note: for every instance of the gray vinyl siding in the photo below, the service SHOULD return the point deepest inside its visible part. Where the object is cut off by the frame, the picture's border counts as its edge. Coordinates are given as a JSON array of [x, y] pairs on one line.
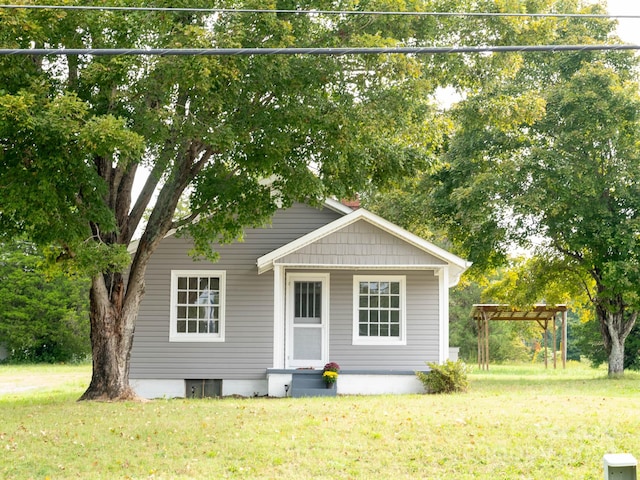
[[360, 243], [248, 347], [422, 325]]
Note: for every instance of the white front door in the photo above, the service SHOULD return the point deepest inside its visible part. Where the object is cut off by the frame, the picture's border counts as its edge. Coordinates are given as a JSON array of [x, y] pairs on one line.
[[307, 319]]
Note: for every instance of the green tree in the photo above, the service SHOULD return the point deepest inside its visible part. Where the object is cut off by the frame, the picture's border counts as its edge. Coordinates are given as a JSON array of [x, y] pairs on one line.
[[41, 319], [548, 159], [239, 135]]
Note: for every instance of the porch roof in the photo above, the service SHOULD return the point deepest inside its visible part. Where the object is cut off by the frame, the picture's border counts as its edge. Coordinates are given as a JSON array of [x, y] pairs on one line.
[[454, 264]]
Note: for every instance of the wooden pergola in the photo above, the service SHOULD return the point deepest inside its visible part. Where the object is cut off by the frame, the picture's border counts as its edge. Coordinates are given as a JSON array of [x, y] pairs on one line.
[[544, 315]]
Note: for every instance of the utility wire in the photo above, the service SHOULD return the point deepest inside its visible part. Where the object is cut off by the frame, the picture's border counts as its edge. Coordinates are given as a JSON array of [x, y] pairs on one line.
[[312, 51], [319, 12]]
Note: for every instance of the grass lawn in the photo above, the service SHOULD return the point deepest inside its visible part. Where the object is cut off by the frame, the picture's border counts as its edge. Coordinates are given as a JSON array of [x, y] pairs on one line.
[[515, 423]]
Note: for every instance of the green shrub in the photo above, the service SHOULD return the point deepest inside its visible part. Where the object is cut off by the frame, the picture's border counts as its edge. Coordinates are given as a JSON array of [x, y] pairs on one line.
[[446, 378]]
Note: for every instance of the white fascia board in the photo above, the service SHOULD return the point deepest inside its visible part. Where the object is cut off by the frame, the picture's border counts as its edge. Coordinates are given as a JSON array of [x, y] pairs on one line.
[[337, 206], [457, 265]]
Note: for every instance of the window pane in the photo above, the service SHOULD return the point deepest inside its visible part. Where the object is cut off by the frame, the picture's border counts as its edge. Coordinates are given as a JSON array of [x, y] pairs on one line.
[[373, 288], [191, 326], [193, 297], [395, 316], [384, 316], [384, 288], [364, 301], [373, 302], [395, 330], [202, 326], [373, 330], [182, 283], [182, 326], [204, 284], [384, 302], [214, 283], [182, 297], [364, 330], [395, 288], [384, 330], [192, 312], [307, 344], [364, 287], [373, 316], [363, 316], [318, 297], [182, 312], [193, 283], [395, 302]]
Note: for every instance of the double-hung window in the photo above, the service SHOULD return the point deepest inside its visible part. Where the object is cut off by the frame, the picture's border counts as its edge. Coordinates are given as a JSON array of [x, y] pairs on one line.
[[197, 306], [379, 316]]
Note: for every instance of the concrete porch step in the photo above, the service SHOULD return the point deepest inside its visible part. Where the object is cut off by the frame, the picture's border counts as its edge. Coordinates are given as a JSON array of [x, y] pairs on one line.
[[309, 383]]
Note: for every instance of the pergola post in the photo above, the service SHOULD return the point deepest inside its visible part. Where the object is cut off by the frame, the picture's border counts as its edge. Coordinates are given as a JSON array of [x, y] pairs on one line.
[[486, 340], [480, 330], [554, 341], [546, 348], [564, 339], [483, 342]]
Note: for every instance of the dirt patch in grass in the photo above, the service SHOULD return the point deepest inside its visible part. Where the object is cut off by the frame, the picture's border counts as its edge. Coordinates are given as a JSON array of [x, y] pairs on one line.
[[26, 378]]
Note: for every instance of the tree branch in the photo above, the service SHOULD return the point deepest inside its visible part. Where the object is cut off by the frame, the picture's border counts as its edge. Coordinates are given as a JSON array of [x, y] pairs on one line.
[[184, 221], [142, 202]]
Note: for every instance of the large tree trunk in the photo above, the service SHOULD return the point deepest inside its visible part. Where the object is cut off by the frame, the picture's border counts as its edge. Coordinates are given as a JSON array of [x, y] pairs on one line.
[[615, 329], [114, 304], [616, 359], [112, 327]]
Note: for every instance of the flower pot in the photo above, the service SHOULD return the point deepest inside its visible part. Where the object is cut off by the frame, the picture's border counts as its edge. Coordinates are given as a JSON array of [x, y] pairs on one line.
[[329, 385]]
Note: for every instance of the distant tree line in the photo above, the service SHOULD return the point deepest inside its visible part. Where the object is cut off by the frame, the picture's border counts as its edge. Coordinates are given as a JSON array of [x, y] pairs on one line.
[[43, 317]]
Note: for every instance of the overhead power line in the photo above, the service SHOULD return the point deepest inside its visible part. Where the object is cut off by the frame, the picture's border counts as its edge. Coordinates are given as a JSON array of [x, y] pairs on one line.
[[319, 12], [312, 51]]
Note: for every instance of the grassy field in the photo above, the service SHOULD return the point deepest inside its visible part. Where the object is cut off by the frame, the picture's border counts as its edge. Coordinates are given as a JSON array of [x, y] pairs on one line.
[[514, 423]]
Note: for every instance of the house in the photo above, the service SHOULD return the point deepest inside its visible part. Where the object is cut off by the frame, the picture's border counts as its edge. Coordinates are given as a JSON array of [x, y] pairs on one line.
[[317, 285]]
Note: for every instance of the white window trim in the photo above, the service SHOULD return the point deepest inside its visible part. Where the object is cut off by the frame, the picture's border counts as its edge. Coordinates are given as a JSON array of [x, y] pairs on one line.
[[174, 336], [402, 339]]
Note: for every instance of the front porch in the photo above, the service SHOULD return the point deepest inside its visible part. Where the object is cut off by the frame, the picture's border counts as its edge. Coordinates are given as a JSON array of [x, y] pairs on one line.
[[280, 382]]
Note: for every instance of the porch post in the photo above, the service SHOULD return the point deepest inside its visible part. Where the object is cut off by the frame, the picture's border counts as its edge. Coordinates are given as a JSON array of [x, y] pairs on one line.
[[443, 283], [278, 316]]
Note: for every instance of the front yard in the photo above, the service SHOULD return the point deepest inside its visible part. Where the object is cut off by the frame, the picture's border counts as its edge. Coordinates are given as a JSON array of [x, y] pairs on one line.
[[514, 423]]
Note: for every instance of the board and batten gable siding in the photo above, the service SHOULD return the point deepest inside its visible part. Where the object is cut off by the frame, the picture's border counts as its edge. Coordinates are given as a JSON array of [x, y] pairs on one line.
[[360, 243], [422, 292], [248, 347]]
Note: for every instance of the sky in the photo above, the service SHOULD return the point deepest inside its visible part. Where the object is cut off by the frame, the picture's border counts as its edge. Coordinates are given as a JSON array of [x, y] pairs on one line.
[[628, 29]]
